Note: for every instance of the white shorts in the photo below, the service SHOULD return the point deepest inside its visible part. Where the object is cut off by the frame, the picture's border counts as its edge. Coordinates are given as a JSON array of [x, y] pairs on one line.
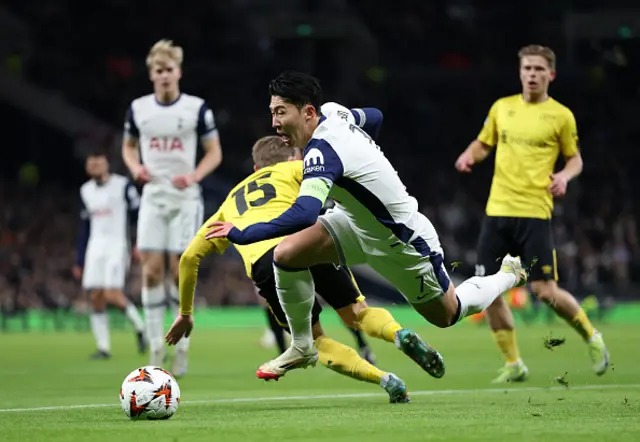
[[416, 269], [105, 269], [168, 227]]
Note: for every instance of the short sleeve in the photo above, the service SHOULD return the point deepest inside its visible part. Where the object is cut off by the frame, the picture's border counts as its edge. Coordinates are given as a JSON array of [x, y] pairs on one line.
[[569, 144], [322, 161], [130, 126], [206, 122], [489, 133]]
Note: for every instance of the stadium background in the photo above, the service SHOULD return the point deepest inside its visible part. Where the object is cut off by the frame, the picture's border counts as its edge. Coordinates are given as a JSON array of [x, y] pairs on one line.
[[70, 69]]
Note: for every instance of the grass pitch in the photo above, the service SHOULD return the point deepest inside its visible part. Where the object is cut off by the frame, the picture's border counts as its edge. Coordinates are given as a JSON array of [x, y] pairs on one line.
[[51, 391]]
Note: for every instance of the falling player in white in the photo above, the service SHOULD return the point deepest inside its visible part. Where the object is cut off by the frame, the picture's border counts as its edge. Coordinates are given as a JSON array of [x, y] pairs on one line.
[[375, 222], [165, 128], [110, 204]]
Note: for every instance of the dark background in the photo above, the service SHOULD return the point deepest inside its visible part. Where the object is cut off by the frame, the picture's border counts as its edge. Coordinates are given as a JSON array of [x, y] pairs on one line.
[[434, 68]]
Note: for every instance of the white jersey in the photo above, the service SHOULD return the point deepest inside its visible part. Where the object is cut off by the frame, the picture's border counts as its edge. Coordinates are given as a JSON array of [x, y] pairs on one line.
[[364, 183], [168, 135], [106, 206]]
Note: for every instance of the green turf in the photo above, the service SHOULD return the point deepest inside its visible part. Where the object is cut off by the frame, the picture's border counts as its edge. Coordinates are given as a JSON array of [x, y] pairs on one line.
[[220, 396]]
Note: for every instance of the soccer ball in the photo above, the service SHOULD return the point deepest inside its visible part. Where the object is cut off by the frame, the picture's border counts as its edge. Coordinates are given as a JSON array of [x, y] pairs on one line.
[[149, 393]]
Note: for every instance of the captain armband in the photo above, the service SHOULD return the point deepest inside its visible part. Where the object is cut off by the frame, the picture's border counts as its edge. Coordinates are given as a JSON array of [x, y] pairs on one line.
[[315, 187]]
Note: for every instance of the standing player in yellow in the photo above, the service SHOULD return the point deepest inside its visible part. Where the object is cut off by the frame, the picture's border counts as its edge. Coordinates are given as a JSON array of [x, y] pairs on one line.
[[529, 131], [261, 197]]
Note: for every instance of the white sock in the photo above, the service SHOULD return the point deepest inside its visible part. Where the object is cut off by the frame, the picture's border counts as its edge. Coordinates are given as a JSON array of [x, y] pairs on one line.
[[100, 328], [477, 293], [296, 293], [174, 301], [153, 304], [132, 314]]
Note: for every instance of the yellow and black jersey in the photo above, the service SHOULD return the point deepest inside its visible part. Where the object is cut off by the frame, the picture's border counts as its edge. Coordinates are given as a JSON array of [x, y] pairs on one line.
[[528, 138], [259, 198]]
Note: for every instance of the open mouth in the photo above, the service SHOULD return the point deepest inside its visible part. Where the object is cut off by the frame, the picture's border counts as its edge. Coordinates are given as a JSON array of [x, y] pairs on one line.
[[532, 84], [285, 138]]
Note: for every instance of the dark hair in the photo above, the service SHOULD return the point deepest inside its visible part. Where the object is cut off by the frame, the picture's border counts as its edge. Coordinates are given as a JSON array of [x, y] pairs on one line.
[[271, 150], [297, 88], [97, 152]]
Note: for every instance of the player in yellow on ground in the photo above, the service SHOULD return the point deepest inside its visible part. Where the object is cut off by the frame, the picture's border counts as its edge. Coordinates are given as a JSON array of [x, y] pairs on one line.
[[528, 131], [264, 195]]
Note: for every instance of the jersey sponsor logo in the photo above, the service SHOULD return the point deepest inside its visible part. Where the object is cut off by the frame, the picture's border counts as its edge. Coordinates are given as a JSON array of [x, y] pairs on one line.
[[521, 141], [313, 161], [165, 144]]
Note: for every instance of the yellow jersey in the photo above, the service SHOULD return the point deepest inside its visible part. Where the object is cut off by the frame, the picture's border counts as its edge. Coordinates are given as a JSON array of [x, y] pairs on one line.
[[259, 198], [528, 138]]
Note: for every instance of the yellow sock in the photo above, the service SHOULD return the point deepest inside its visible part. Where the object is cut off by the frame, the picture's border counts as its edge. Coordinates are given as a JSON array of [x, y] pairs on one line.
[[506, 340], [344, 360], [582, 325], [378, 323]]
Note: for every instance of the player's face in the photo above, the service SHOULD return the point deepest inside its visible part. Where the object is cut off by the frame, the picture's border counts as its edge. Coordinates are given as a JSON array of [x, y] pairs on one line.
[[97, 166], [535, 74], [289, 121], [165, 74]]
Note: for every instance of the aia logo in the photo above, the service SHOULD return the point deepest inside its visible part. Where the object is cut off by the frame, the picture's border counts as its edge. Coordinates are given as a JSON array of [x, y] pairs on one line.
[[166, 144]]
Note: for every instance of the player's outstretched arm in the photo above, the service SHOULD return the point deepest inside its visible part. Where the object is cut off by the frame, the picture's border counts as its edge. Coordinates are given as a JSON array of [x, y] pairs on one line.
[[188, 271], [188, 277], [323, 168], [302, 214]]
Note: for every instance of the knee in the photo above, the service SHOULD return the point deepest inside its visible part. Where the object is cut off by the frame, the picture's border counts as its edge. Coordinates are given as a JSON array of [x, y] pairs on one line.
[[98, 301], [545, 291], [152, 275], [285, 254], [443, 322]]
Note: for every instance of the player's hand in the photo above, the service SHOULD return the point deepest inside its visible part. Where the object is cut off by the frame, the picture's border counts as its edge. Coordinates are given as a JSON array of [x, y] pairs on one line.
[[141, 175], [181, 327], [77, 272], [183, 181], [464, 162], [219, 229], [558, 186]]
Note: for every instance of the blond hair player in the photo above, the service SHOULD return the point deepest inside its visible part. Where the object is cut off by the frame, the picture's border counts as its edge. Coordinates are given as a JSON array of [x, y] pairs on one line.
[[161, 135]]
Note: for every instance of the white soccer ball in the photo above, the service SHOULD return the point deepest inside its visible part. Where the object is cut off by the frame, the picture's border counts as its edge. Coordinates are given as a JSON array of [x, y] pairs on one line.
[[149, 393]]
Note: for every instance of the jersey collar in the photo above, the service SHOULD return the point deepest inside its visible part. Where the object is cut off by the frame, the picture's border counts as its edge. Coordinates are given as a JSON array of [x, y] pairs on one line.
[[171, 103]]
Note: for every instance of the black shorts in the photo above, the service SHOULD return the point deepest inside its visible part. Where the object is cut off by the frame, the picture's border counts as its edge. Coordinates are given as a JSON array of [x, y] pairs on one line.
[[336, 286], [529, 238]]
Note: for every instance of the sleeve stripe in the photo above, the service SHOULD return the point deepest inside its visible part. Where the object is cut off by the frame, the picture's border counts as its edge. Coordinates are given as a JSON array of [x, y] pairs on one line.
[[363, 117]]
